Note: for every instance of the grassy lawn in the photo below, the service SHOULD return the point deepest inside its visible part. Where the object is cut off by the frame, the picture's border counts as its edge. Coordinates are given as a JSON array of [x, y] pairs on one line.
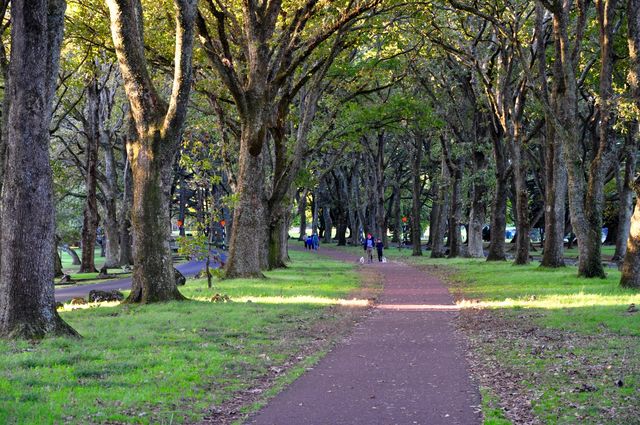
[[167, 363], [546, 344]]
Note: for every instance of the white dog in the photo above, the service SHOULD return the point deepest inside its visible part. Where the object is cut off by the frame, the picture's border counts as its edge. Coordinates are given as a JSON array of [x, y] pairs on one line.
[[361, 260]]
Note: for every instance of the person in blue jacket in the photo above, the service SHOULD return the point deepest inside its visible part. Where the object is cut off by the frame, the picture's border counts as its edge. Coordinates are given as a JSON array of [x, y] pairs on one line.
[[368, 246], [316, 241]]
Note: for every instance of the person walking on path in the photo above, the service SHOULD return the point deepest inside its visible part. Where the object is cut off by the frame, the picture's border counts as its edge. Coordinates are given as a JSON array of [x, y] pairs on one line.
[[379, 248], [403, 364], [368, 246], [316, 241], [309, 243]]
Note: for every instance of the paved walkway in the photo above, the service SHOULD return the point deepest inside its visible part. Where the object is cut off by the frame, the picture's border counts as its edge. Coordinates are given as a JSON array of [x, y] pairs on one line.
[[402, 365], [64, 294]]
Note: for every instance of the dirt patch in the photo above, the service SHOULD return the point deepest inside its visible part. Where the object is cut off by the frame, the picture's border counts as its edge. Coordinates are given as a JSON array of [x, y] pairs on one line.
[[323, 334]]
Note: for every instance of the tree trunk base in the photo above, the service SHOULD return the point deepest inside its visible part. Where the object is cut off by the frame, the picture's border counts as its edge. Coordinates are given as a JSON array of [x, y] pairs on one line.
[[137, 297], [553, 264], [256, 275], [36, 331], [496, 257]]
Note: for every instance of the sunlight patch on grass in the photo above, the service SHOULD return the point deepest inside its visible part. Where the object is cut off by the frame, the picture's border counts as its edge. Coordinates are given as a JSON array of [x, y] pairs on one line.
[[302, 299], [575, 300]]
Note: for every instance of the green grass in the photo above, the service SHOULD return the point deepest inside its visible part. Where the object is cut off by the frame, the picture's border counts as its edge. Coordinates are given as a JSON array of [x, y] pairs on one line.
[[166, 363], [67, 261], [569, 339], [607, 252]]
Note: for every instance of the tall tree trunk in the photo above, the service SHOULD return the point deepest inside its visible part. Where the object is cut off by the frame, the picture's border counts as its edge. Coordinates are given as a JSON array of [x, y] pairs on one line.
[[554, 206], [153, 275], [90, 214], [249, 228], [555, 171], [499, 203], [439, 222], [478, 209], [314, 212], [630, 277], [159, 130], [124, 229], [521, 201], [328, 223], [380, 219], [631, 267], [27, 307], [625, 192], [57, 261], [302, 213], [278, 236], [112, 234], [590, 262], [585, 197], [455, 211], [396, 215], [416, 191]]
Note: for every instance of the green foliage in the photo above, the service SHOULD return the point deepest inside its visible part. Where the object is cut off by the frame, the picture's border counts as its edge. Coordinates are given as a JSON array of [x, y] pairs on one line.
[[193, 246]]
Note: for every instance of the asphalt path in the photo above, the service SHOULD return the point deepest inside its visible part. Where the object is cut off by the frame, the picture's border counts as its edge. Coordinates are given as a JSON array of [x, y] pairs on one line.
[[404, 364], [187, 269]]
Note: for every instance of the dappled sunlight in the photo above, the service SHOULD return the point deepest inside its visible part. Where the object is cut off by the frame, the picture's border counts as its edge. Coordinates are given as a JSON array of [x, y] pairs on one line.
[[418, 307], [301, 299], [555, 301], [70, 307]]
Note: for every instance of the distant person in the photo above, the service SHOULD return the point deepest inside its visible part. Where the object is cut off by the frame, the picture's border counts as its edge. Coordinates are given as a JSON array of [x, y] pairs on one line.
[[305, 238], [379, 248], [315, 241], [368, 245], [309, 243]]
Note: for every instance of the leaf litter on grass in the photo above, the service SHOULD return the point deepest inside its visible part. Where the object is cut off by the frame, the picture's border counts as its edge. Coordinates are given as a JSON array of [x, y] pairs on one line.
[[546, 376]]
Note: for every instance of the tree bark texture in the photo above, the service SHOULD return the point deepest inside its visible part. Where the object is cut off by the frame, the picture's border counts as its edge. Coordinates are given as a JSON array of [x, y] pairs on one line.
[[630, 277], [151, 154], [57, 261], [302, 213], [625, 192], [92, 126], [249, 215], [328, 223], [416, 192], [522, 202], [554, 205], [499, 203], [27, 307], [585, 196], [555, 176], [631, 266], [478, 209], [125, 257], [439, 218], [110, 206]]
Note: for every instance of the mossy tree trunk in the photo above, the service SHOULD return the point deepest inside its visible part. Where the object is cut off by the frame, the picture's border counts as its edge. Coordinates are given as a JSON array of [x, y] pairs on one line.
[[151, 152], [631, 267], [27, 307], [92, 124]]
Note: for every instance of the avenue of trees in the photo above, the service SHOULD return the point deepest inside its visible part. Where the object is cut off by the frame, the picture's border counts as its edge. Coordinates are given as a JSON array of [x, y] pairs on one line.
[[123, 118]]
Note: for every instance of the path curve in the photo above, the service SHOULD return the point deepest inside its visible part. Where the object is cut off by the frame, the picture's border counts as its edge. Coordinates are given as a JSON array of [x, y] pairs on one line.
[[404, 364], [64, 294]]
